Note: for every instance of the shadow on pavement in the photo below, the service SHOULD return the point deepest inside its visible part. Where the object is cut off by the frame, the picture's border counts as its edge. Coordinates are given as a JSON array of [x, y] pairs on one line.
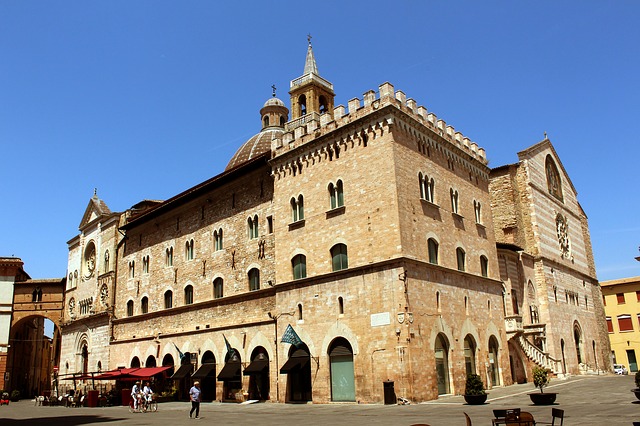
[[63, 420]]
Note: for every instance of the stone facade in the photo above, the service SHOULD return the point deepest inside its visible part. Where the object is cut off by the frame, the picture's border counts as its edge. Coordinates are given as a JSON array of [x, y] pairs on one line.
[[358, 248], [547, 267], [90, 289]]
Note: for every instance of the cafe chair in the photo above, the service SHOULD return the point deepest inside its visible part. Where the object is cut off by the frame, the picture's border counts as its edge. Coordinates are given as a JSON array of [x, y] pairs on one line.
[[556, 413], [468, 419]]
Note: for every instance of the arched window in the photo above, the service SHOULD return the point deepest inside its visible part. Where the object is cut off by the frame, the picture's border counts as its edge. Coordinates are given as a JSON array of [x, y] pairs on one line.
[[254, 279], [282, 121], [336, 196], [554, 183], [218, 288], [145, 264], [426, 187], [106, 261], [169, 257], [217, 237], [454, 200], [130, 308], [341, 369], [339, 258], [252, 224], [299, 266], [297, 208], [188, 295], [265, 121], [322, 101], [438, 307], [300, 317], [36, 296], [144, 305], [302, 105], [132, 269], [477, 208], [168, 299], [442, 364], [433, 251], [460, 256], [340, 305], [188, 250], [484, 266], [470, 354]]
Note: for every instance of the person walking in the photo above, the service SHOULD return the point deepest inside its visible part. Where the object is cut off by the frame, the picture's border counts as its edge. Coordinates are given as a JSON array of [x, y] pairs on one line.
[[194, 395]]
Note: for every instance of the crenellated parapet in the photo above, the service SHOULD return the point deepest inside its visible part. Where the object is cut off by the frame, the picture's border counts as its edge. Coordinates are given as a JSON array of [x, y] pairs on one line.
[[367, 117]]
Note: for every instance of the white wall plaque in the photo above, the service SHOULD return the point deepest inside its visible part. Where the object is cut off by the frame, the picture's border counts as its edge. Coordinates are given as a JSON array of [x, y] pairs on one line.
[[380, 319]]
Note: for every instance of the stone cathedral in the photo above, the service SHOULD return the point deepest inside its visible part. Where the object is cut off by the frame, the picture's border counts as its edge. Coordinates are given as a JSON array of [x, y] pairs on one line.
[[343, 252]]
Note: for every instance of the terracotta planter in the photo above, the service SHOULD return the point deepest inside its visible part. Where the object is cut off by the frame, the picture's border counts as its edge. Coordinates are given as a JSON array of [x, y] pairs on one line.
[[476, 399], [546, 398]]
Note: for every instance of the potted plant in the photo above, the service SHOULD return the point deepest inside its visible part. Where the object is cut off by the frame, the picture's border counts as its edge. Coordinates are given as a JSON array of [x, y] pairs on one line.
[[540, 380], [636, 391], [5, 398], [474, 393], [15, 395]]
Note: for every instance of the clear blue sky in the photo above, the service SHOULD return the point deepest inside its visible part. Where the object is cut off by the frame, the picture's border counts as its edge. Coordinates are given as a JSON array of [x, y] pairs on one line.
[[144, 99]]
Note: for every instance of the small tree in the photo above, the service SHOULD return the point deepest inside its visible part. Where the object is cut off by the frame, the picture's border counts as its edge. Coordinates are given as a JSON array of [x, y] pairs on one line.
[[540, 378], [474, 385]]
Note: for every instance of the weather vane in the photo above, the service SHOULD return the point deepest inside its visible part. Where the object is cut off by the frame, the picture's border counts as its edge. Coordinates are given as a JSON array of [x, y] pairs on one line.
[[274, 90], [309, 38]]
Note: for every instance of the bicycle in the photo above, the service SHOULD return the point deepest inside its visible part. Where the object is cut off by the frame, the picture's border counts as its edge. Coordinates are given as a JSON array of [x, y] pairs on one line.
[[144, 406]]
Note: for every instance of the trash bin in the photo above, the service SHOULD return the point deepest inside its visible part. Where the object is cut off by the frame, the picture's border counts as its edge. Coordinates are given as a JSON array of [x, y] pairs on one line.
[[126, 397], [389, 392], [92, 398]]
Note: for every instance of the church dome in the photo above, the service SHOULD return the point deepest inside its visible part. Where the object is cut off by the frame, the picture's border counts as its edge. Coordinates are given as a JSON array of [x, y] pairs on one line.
[[273, 115], [256, 145], [273, 102]]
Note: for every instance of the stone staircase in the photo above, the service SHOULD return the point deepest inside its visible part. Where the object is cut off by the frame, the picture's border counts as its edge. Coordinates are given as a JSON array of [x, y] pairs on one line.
[[536, 355]]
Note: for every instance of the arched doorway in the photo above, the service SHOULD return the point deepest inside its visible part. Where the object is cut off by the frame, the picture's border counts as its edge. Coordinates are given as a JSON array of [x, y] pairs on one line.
[[258, 372], [230, 376], [442, 364], [84, 354], [577, 340], [207, 376], [135, 362], [516, 362], [343, 386], [167, 361], [494, 371], [470, 354], [150, 362], [298, 371]]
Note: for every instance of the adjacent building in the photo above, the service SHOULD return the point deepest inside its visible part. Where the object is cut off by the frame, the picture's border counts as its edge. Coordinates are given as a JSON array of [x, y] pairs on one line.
[[622, 308]]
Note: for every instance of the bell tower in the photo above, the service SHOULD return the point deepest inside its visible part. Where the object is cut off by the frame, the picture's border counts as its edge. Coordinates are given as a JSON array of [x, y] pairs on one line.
[[311, 95]]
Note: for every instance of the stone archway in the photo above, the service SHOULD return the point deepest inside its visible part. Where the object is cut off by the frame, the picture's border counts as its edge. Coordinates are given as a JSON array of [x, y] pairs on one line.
[[32, 359]]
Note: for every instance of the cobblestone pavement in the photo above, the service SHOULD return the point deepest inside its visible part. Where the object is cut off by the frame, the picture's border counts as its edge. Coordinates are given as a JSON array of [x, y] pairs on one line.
[[587, 400]]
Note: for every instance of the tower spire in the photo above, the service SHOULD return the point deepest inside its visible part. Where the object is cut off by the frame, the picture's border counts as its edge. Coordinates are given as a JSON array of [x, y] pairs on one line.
[[310, 66]]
